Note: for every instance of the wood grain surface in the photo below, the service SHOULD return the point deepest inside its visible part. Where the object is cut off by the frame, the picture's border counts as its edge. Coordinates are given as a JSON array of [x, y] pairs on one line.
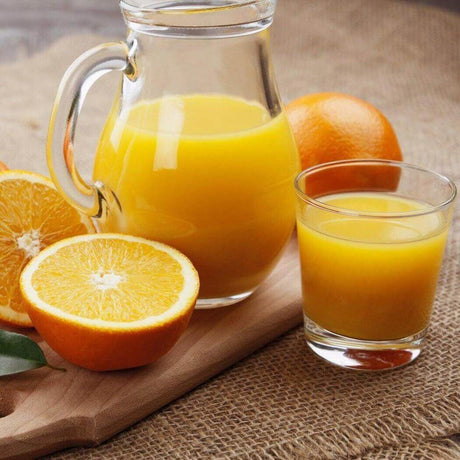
[[44, 410]]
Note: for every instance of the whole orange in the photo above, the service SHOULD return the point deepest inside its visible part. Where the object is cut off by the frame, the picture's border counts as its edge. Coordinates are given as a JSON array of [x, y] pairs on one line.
[[334, 126], [3, 166]]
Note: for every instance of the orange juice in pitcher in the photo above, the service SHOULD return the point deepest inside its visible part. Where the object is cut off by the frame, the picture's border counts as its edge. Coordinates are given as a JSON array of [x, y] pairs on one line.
[[197, 152], [218, 188]]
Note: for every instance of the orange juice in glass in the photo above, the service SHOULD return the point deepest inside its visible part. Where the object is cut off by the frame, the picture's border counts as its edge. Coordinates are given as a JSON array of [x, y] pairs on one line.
[[370, 259], [197, 151]]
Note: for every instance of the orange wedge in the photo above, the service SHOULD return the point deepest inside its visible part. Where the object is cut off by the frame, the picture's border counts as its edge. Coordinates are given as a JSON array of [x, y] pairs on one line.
[[32, 216], [110, 301]]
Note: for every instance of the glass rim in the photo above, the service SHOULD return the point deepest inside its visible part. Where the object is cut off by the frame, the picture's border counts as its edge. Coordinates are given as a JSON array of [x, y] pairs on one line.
[[158, 6], [350, 212]]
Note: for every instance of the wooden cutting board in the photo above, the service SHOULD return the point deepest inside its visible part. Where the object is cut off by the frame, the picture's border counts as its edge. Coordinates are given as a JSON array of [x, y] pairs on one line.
[[43, 410]]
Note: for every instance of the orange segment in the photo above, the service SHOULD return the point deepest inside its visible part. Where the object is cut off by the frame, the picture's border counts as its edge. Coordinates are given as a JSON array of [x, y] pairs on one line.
[[32, 216], [109, 301]]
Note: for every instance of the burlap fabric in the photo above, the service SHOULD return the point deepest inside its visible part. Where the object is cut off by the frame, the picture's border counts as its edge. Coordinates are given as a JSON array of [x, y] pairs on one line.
[[282, 402]]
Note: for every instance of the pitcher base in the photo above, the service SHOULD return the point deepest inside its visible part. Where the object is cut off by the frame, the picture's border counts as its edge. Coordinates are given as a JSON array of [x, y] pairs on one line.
[[203, 304]]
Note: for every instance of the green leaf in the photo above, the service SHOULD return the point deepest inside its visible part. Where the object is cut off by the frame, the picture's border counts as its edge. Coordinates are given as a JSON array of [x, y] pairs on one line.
[[18, 353]]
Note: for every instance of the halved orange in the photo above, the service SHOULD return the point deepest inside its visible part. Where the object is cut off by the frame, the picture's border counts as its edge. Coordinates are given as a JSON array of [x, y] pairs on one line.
[[32, 216], [109, 301]]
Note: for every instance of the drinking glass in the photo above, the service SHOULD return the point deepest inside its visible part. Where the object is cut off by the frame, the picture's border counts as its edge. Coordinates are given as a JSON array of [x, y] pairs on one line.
[[371, 237]]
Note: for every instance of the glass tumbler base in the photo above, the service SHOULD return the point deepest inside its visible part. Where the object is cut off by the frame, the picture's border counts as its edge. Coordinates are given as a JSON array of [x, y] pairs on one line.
[[204, 304], [362, 355]]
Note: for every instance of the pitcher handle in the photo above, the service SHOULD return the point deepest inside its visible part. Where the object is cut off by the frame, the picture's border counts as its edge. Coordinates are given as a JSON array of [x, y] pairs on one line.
[[74, 86]]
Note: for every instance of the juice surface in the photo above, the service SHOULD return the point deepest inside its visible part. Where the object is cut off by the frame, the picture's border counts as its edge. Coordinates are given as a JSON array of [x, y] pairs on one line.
[[210, 175], [370, 278]]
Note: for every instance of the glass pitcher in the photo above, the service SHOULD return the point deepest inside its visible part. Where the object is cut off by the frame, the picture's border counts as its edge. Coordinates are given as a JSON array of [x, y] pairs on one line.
[[196, 152]]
